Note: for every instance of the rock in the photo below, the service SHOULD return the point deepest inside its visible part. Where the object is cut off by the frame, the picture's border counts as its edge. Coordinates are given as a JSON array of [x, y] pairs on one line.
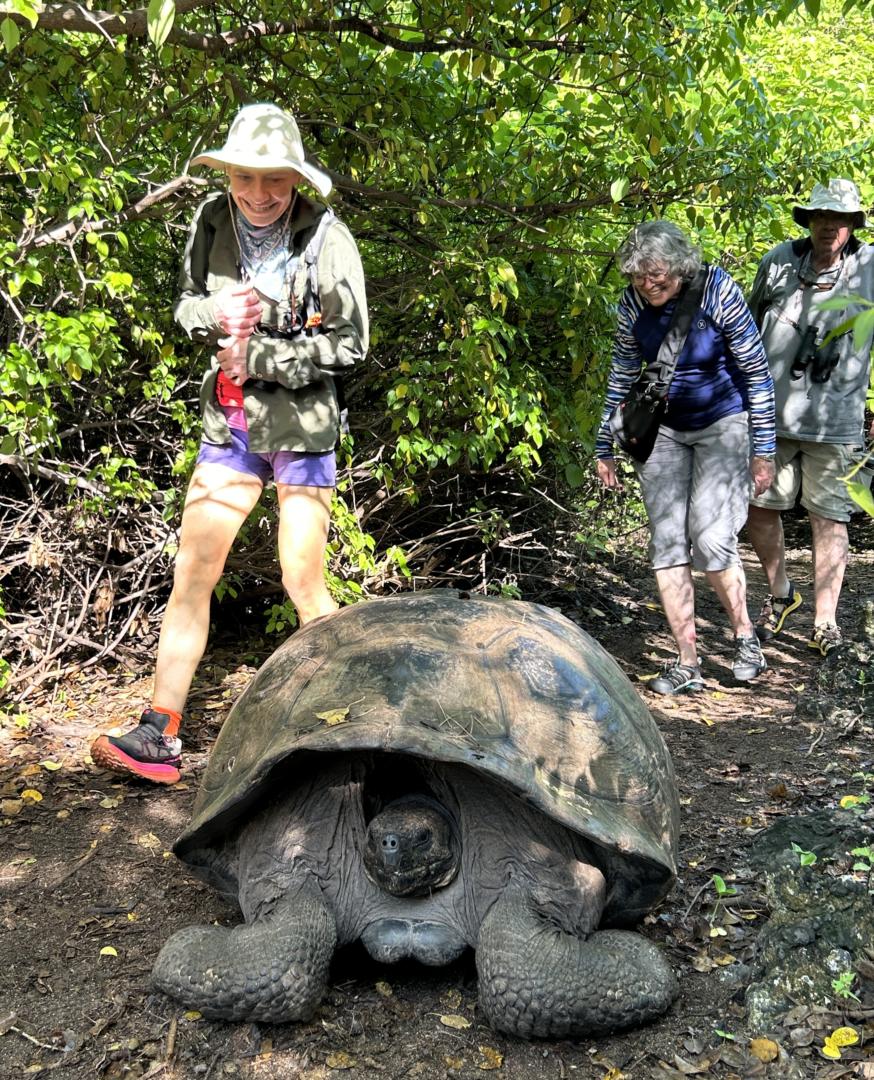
[[822, 915]]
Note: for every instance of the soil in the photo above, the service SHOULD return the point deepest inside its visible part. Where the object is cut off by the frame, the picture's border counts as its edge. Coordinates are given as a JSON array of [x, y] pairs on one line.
[[89, 889]]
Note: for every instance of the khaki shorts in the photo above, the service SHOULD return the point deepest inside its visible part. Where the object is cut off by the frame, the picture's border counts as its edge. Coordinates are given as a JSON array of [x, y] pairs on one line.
[[817, 470]]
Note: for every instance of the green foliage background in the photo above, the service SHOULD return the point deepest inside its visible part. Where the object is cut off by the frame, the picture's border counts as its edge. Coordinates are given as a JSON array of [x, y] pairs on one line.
[[489, 158]]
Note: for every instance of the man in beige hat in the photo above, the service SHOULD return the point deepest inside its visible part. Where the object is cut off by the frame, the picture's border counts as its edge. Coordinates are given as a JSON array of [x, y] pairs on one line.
[[272, 289], [820, 389]]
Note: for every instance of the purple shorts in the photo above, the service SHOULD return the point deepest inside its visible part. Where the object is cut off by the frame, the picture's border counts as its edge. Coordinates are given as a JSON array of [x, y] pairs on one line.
[[284, 466]]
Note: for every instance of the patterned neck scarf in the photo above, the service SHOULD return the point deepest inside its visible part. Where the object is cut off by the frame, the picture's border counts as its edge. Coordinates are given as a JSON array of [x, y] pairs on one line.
[[264, 252]]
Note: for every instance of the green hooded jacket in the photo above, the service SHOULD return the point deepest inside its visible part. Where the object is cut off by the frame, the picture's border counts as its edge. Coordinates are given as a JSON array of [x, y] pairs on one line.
[[290, 398]]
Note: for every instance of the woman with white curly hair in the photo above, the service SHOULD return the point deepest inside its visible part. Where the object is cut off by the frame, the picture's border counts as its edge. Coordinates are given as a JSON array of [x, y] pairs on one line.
[[696, 482]]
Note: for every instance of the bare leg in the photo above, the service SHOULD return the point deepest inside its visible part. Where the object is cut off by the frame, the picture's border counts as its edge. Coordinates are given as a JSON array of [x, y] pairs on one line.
[[219, 500], [830, 553], [678, 600], [765, 530], [731, 587], [304, 520]]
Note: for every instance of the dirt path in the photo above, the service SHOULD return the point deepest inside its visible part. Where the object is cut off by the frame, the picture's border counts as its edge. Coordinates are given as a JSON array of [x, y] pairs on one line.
[[89, 892]]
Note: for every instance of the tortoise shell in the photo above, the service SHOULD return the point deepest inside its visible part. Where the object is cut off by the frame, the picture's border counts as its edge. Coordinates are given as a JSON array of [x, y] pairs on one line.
[[512, 689]]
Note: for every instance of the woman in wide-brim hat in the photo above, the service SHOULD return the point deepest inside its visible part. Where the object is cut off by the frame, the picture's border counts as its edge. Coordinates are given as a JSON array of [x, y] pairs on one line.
[[272, 285]]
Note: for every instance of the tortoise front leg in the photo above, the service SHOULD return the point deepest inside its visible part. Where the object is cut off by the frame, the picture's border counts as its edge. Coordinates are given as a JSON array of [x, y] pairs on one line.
[[536, 980], [273, 970]]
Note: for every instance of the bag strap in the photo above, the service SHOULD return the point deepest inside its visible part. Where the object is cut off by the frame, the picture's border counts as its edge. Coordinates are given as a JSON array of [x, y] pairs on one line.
[[311, 254], [688, 303]]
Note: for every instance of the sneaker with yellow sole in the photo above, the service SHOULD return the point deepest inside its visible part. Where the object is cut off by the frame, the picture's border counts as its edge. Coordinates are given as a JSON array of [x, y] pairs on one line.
[[774, 613], [826, 638]]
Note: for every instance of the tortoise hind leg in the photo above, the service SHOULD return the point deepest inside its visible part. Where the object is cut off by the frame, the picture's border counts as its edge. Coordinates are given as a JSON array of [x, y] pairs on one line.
[[273, 970], [536, 980]]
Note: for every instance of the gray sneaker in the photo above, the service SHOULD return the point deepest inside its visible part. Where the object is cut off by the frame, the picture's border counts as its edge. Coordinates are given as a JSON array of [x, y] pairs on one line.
[[749, 660], [677, 678]]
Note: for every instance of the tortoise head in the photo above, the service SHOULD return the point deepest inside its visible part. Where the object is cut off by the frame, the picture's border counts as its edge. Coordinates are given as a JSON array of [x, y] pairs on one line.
[[412, 846]]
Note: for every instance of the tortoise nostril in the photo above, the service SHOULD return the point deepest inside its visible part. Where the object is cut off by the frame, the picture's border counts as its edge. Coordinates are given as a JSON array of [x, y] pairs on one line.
[[390, 843]]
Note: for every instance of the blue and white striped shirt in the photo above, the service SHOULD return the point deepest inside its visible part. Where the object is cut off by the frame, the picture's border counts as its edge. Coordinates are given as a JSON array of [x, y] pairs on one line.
[[721, 371]]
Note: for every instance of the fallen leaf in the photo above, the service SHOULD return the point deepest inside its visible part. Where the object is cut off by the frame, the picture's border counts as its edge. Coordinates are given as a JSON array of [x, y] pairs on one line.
[[764, 1049], [340, 1060], [10, 807], [688, 1068], [384, 989], [52, 766], [108, 950], [149, 841], [30, 770], [62, 815], [193, 1015], [31, 795], [331, 717], [457, 1022], [702, 963], [451, 999], [453, 1063], [491, 1059], [110, 804], [597, 612]]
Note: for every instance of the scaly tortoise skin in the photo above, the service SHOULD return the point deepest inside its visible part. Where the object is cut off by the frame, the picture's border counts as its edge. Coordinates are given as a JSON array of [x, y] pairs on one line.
[[430, 772]]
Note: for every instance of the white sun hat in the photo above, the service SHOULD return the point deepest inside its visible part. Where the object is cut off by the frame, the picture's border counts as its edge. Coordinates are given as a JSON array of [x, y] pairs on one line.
[[840, 196], [265, 137]]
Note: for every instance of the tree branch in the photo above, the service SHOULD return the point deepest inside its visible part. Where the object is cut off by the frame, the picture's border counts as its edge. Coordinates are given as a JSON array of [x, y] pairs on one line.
[[76, 18]]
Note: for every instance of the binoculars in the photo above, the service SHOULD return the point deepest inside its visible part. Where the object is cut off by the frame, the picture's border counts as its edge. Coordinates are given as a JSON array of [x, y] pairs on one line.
[[819, 360]]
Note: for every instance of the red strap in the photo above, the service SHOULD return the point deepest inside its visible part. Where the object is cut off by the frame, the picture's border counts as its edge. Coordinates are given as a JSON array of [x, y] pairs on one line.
[[227, 392]]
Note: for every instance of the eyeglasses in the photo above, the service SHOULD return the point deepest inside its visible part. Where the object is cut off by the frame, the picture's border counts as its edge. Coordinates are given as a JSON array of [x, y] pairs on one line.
[[654, 277]]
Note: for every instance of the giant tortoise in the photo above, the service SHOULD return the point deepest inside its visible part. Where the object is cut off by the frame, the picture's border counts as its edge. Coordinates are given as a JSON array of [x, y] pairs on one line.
[[425, 773]]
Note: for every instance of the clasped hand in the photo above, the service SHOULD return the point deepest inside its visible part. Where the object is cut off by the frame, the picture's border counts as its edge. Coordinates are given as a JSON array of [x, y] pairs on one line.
[[232, 358], [238, 309]]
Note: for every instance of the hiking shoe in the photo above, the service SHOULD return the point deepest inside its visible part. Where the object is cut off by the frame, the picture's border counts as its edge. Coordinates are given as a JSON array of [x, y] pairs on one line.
[[749, 660], [146, 751], [826, 637], [774, 612], [677, 678]]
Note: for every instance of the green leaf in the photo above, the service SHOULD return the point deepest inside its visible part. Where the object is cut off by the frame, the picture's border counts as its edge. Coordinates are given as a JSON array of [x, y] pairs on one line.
[[863, 328], [619, 189], [10, 33], [28, 10], [160, 16], [861, 495]]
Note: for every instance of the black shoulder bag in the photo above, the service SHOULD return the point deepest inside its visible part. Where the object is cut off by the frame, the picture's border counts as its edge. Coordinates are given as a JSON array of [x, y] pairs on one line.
[[635, 422]]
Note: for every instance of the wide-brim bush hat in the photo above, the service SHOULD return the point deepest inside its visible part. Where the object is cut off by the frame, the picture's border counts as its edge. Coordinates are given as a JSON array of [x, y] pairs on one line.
[[840, 196], [267, 138]]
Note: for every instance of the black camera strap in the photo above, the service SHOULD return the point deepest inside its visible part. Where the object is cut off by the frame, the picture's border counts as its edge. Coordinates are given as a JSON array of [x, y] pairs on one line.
[[688, 303]]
